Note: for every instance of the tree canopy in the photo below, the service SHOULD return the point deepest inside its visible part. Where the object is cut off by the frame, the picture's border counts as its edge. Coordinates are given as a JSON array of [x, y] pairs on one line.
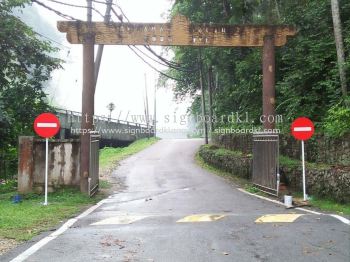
[[26, 65], [307, 78]]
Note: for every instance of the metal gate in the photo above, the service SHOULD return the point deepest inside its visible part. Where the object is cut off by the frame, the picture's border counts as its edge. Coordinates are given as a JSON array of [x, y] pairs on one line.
[[94, 164], [266, 162]]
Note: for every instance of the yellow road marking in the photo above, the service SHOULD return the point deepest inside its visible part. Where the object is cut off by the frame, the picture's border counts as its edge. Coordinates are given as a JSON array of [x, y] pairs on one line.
[[278, 218], [200, 218], [119, 220]]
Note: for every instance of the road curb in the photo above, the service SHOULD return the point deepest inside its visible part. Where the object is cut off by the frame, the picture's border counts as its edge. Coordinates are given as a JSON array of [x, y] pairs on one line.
[[340, 218]]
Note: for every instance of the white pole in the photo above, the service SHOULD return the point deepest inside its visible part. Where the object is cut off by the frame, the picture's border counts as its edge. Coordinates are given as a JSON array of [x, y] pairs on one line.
[[46, 169], [303, 160]]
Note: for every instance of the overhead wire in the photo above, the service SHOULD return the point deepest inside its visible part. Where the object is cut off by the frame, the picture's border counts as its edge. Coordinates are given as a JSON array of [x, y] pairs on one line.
[[69, 17], [163, 61], [168, 63], [77, 6]]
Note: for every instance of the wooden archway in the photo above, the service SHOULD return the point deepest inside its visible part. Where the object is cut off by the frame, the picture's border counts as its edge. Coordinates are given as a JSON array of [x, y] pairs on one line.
[[179, 32]]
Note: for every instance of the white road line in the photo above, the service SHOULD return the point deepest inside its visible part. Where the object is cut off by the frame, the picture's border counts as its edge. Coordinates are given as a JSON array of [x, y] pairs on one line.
[[340, 218], [261, 197], [310, 211], [46, 124], [34, 248], [302, 129]]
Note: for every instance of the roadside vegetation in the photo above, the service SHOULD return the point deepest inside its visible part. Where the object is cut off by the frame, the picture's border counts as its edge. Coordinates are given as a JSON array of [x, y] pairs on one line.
[[323, 204], [307, 64], [21, 221], [111, 156]]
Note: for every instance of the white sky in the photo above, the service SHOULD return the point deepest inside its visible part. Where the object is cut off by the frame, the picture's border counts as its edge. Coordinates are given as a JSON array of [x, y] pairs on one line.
[[121, 78]]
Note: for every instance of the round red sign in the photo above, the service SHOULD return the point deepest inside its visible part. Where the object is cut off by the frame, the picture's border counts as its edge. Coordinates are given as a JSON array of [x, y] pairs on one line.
[[302, 128], [46, 125]]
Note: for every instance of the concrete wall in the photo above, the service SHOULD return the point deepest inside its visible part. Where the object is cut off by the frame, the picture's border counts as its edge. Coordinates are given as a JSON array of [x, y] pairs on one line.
[[63, 162]]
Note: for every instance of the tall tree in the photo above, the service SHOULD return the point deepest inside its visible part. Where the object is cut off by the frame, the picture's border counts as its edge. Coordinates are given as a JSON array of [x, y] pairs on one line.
[[339, 45], [26, 65]]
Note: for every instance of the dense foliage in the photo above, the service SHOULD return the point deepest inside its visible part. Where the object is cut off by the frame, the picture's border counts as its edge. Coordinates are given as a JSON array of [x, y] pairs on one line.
[[25, 67], [307, 77]]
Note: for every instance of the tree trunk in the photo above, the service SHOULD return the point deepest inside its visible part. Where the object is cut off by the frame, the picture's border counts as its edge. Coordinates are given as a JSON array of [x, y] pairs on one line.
[[339, 45]]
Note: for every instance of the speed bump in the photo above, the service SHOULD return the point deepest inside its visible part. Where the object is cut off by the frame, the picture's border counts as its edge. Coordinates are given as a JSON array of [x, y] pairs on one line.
[[278, 218], [200, 218]]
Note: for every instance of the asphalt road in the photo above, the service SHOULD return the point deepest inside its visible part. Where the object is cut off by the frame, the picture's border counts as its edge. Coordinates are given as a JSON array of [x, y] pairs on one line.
[[164, 186]]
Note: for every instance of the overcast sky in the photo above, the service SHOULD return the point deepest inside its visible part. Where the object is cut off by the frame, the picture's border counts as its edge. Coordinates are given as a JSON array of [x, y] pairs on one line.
[[121, 79]]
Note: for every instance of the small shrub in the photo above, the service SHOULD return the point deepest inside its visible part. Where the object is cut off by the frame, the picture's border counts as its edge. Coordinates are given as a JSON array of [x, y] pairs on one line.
[[337, 122]]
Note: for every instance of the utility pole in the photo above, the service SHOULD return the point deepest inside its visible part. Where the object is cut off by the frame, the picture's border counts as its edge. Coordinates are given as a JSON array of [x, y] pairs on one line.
[[146, 106], [206, 140], [210, 89], [155, 110], [107, 18], [88, 95]]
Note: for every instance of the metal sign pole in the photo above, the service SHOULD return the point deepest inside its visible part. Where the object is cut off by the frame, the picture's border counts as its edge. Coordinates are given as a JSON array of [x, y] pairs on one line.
[[303, 161], [46, 169]]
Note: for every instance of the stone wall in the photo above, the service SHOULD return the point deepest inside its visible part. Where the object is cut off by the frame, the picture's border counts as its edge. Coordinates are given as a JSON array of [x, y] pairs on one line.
[[319, 149], [63, 159], [322, 180], [231, 162]]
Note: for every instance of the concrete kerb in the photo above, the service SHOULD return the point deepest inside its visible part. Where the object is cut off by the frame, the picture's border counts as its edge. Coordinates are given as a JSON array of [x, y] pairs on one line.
[[340, 218]]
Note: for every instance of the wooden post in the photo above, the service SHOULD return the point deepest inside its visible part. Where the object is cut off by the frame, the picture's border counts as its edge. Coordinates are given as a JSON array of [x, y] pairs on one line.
[[269, 82], [88, 104]]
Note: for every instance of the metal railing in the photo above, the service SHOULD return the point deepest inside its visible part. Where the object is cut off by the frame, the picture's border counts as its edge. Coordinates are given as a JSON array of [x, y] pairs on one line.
[[101, 118]]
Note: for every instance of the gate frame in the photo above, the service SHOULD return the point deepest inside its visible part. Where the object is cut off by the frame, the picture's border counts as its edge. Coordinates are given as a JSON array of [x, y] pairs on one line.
[[93, 165], [270, 137]]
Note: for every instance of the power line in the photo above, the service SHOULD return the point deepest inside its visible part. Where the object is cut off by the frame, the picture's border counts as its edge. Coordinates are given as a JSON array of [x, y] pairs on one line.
[[77, 6], [51, 40], [160, 72], [55, 11], [168, 63]]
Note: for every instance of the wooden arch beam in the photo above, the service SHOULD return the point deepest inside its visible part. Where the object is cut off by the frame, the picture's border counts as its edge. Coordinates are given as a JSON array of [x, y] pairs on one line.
[[179, 32]]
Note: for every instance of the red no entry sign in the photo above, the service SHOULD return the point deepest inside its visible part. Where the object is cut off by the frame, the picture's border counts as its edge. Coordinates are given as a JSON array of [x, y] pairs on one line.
[[302, 128], [46, 125]]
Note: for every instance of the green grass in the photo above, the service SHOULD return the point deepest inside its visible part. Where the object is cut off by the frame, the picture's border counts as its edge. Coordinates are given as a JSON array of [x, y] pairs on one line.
[[110, 156], [328, 205], [104, 184], [8, 186], [295, 163], [24, 220]]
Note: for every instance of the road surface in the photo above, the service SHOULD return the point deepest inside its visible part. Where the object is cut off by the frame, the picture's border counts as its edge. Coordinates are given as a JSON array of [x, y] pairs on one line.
[[173, 211]]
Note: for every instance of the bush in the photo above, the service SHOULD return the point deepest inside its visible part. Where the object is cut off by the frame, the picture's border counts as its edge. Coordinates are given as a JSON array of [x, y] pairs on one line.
[[337, 122]]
